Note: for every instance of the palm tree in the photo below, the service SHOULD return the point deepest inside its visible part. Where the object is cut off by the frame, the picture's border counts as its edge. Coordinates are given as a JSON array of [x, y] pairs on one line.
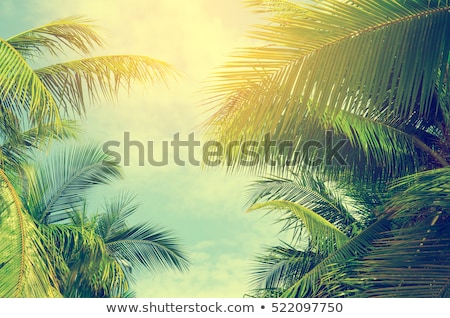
[[45, 94], [395, 246], [74, 253], [321, 217], [41, 100], [36, 105], [375, 74], [102, 252]]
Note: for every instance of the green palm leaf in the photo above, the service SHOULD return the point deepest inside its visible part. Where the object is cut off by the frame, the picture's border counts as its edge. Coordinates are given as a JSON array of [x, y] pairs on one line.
[[84, 266], [16, 146], [347, 211], [73, 83], [404, 254], [75, 33], [315, 282], [146, 247], [140, 246], [116, 212], [58, 185], [21, 91], [330, 61], [39, 93], [377, 141], [102, 252], [411, 262], [24, 265], [280, 267], [322, 233], [428, 189]]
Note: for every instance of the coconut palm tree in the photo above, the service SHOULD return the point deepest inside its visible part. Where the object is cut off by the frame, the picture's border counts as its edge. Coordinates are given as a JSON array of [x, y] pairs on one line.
[[371, 79], [40, 100], [45, 94], [102, 252], [36, 105], [354, 245], [375, 73], [321, 217], [68, 251]]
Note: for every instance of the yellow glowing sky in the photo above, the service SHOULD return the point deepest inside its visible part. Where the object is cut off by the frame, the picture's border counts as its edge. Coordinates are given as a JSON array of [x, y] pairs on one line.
[[205, 209]]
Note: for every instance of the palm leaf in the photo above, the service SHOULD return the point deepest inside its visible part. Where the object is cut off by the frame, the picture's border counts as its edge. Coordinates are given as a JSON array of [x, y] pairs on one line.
[[323, 234], [404, 254], [73, 82], [75, 33], [319, 60], [315, 282], [280, 267], [22, 92], [421, 248], [17, 144], [146, 247], [40, 137], [114, 219], [425, 190], [24, 266], [345, 211], [413, 262], [38, 92], [141, 246], [84, 266], [57, 186], [377, 141]]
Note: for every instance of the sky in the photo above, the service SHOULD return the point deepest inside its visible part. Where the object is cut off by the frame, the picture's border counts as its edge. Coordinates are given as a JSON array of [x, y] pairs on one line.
[[205, 209]]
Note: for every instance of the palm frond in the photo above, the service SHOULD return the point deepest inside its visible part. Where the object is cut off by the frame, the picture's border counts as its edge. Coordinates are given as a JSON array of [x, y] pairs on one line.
[[326, 199], [328, 57], [278, 7], [404, 254], [16, 146], [75, 33], [36, 136], [114, 219], [57, 185], [146, 247], [377, 140], [325, 237], [73, 82], [412, 262], [22, 92], [24, 265], [425, 190], [280, 267], [84, 266], [313, 283]]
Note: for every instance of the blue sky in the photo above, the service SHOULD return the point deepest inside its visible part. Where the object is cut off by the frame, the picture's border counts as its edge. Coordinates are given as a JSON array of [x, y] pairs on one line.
[[205, 209]]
